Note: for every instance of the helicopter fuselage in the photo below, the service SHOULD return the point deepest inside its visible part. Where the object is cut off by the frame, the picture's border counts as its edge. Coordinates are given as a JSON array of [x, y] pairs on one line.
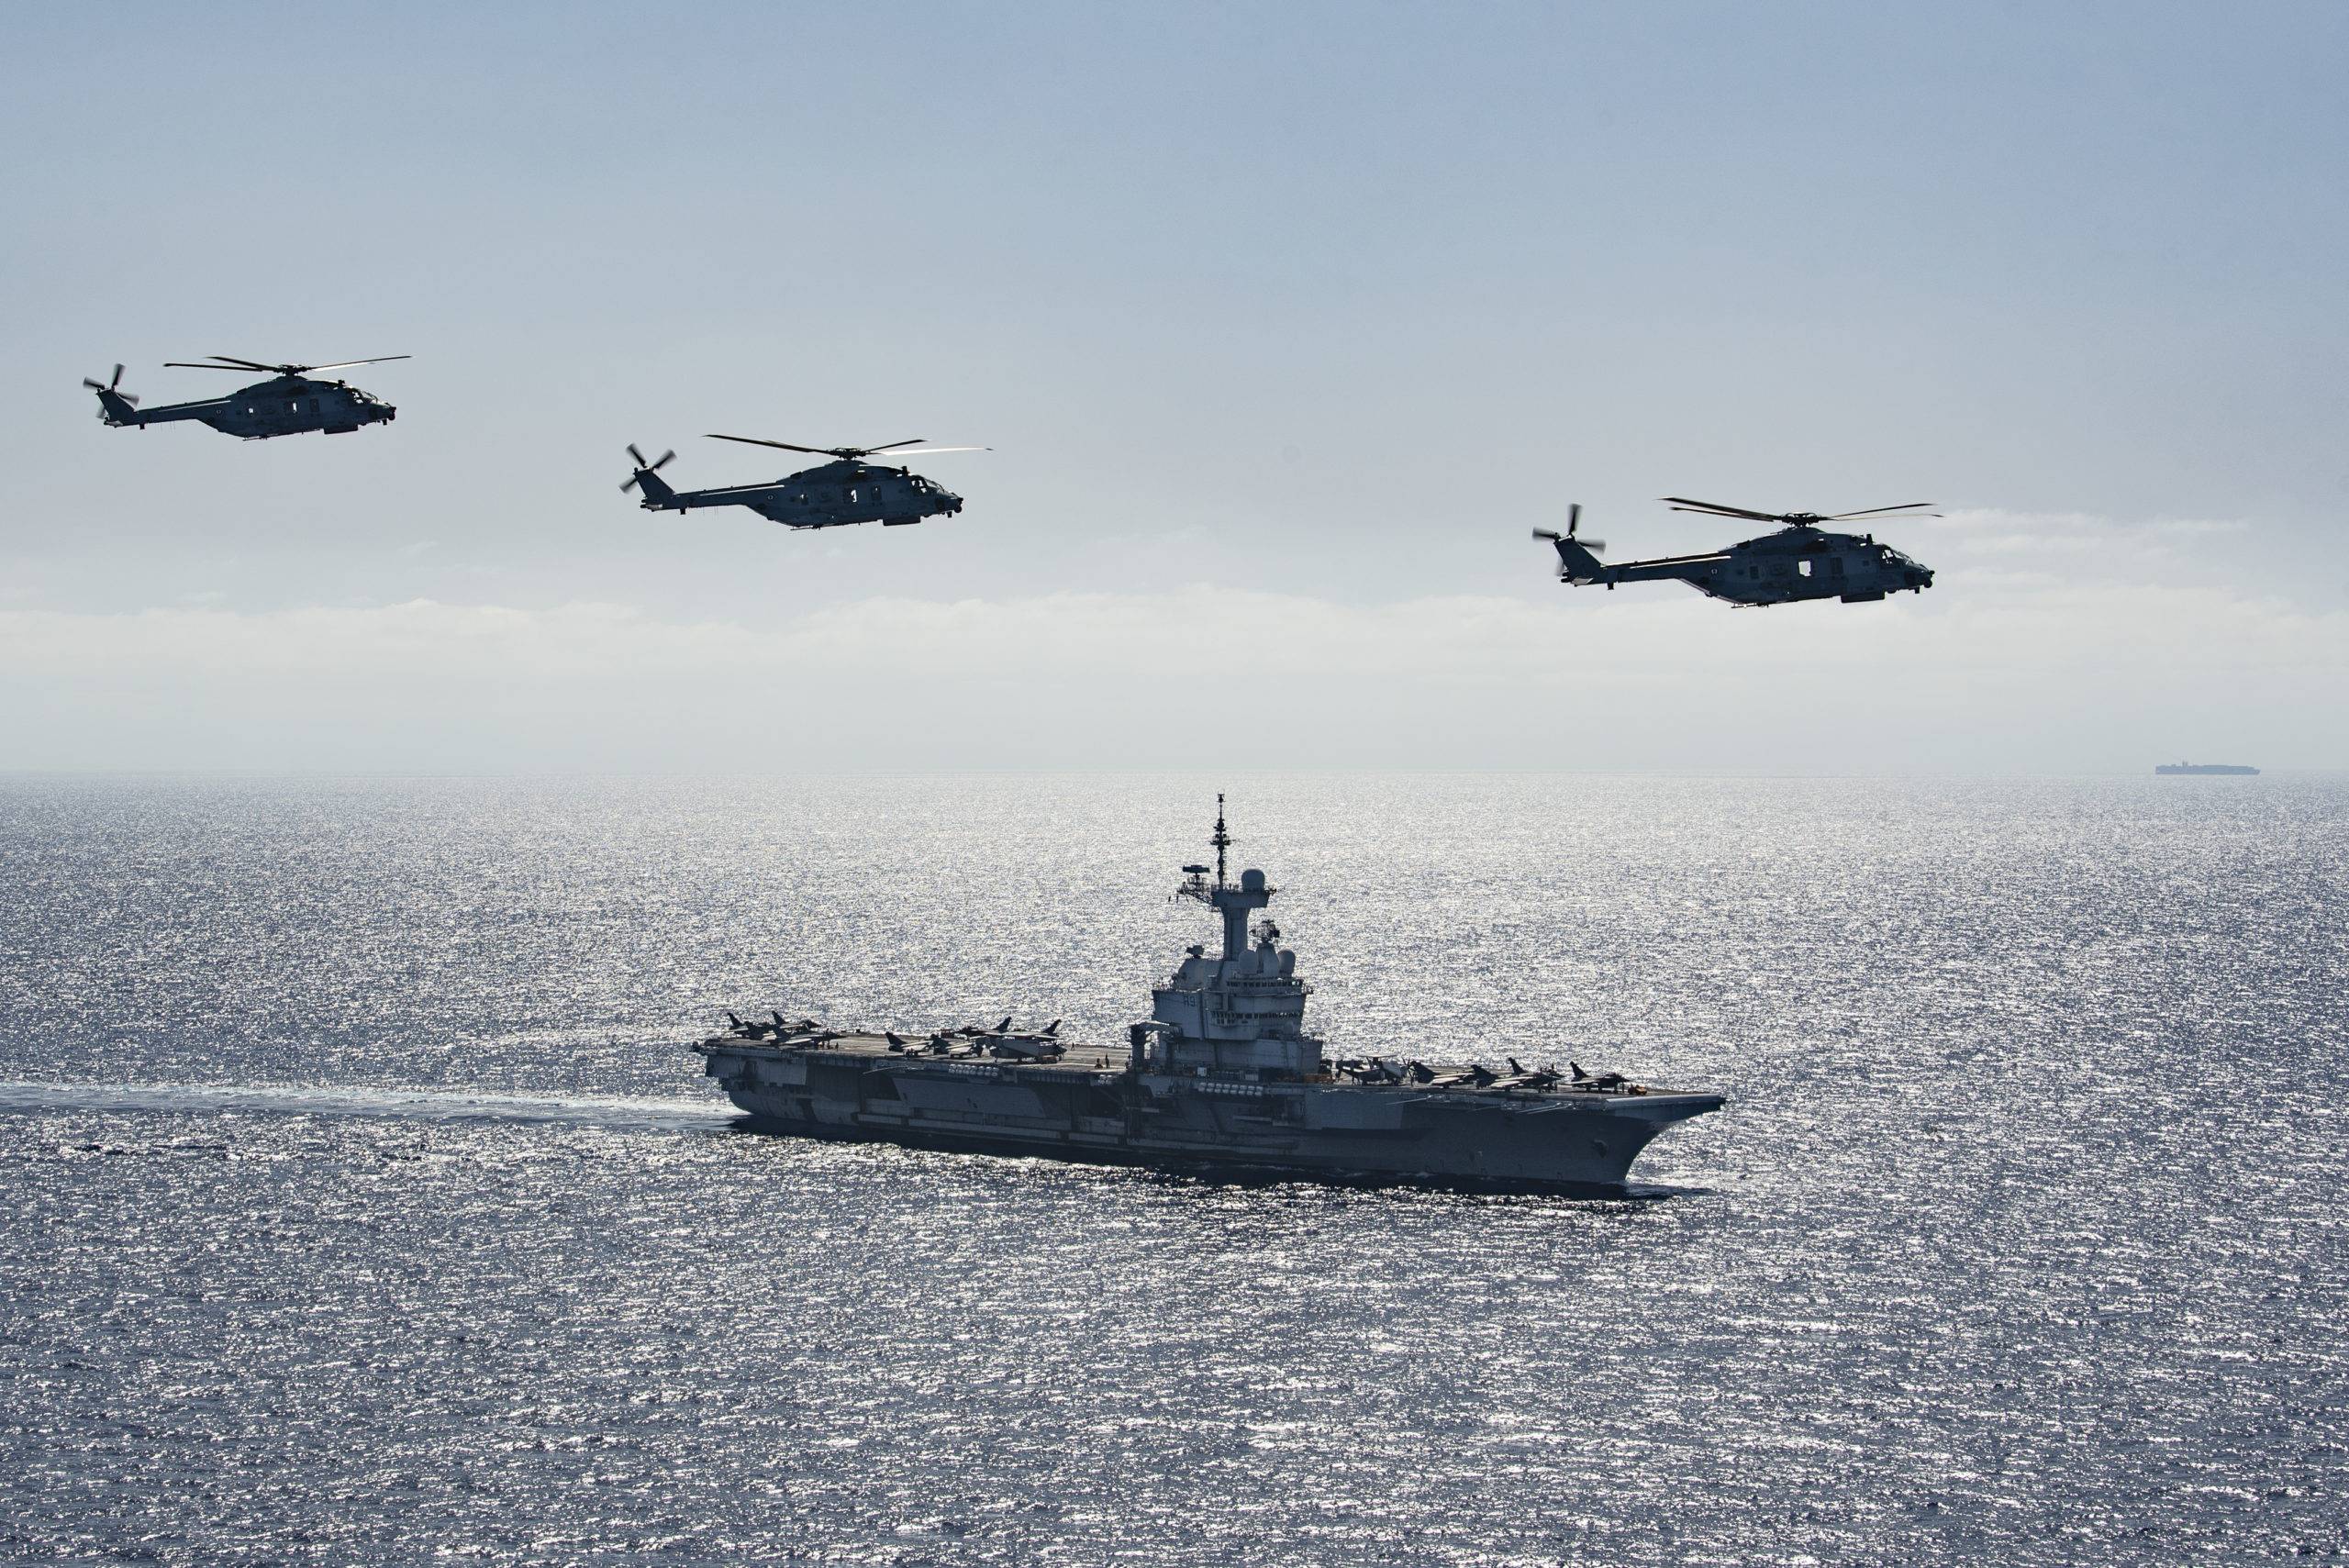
[[282, 405], [832, 495], [1793, 564]]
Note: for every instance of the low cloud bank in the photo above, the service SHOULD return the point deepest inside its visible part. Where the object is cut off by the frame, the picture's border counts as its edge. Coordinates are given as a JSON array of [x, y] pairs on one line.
[[2015, 676]]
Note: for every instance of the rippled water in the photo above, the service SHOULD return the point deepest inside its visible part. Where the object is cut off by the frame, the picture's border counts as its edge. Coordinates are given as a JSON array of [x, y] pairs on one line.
[[363, 1206]]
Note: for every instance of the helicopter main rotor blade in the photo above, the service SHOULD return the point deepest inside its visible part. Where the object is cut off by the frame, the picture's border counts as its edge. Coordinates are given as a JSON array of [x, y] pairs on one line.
[[923, 451], [893, 446], [248, 364], [1871, 511], [346, 364], [786, 446], [1683, 504], [241, 370]]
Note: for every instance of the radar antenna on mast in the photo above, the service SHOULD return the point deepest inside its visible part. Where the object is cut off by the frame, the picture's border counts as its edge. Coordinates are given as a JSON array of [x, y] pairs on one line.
[[1222, 839]]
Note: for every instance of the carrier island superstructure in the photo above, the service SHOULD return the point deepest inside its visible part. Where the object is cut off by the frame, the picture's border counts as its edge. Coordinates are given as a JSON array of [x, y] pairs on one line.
[[1221, 1075]]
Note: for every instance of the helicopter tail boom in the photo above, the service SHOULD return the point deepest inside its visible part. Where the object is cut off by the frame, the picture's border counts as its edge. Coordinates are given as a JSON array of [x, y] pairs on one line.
[[115, 409], [1575, 565], [115, 406], [645, 479], [657, 491]]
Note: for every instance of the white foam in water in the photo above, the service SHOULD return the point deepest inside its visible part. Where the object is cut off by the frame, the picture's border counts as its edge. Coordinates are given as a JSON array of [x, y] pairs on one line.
[[404, 1104]]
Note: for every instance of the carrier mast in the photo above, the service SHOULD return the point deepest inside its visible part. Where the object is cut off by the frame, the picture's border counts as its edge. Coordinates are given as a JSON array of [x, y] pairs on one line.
[[1234, 904]]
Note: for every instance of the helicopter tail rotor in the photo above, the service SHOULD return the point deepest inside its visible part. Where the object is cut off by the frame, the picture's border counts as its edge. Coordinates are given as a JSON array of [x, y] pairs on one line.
[[117, 404], [1573, 523], [647, 476], [1577, 557], [114, 385]]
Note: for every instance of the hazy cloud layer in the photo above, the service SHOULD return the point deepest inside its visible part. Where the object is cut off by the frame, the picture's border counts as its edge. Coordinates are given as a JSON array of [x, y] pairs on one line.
[[2020, 658], [1283, 324]]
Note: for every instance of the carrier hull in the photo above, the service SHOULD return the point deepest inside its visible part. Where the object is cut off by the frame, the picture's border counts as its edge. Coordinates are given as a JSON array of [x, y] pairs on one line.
[[1090, 1109], [1223, 1074]]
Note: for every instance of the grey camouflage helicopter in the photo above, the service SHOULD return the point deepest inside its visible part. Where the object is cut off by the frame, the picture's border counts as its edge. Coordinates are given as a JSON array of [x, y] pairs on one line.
[[1802, 560], [289, 402], [829, 496]]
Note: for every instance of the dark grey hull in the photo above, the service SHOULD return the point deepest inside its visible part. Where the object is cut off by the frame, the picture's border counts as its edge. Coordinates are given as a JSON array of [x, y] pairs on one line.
[[1572, 1142], [1206, 1168]]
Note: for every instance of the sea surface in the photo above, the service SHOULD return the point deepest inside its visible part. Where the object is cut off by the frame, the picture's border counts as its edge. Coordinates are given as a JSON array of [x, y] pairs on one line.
[[363, 1204]]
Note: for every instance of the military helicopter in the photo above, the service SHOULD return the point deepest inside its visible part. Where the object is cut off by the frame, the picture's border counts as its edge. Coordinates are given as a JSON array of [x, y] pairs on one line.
[[1802, 560], [288, 403], [829, 496]]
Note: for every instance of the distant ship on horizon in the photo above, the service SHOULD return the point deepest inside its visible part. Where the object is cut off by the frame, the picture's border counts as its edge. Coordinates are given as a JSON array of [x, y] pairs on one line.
[[2203, 768]]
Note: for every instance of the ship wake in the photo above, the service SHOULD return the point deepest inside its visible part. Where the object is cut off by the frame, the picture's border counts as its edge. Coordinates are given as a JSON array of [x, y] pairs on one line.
[[618, 1114]]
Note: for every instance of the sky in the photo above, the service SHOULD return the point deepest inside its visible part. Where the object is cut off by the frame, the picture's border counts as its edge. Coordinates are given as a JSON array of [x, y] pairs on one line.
[[1284, 325]]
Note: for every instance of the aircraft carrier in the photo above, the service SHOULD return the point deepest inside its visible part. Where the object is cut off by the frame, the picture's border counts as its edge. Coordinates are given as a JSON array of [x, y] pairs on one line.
[[1221, 1075]]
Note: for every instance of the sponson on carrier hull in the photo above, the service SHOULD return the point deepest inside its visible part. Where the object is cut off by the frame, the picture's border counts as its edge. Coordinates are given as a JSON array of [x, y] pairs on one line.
[[1223, 1074]]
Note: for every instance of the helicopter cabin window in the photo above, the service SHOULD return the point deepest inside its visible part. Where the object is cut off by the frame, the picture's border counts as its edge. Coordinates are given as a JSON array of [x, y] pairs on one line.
[[1803, 567]]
